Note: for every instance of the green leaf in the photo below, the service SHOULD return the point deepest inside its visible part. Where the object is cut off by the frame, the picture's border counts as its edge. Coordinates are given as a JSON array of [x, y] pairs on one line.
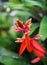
[[3, 17], [13, 6], [15, 1], [34, 27], [11, 58], [31, 3], [6, 41], [13, 34], [5, 21], [43, 28], [23, 15]]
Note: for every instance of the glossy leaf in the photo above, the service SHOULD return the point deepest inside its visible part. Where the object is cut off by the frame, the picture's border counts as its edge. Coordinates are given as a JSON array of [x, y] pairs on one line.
[[43, 28]]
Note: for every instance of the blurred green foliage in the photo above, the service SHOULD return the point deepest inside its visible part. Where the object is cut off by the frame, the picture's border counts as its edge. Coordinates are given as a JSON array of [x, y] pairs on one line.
[[23, 10]]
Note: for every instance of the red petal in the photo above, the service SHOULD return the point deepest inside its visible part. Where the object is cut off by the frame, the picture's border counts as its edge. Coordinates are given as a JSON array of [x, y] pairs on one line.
[[38, 46], [29, 46], [38, 53], [22, 48], [35, 60], [28, 22], [27, 29], [18, 29], [27, 25], [37, 36], [19, 23]]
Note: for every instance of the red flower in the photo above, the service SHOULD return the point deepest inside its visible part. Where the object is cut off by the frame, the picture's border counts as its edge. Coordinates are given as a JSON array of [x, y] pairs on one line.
[[32, 45], [29, 43], [20, 27]]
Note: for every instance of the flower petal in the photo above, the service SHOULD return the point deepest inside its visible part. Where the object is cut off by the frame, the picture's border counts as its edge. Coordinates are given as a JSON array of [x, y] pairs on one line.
[[27, 29], [29, 46], [19, 23], [38, 53], [35, 60], [18, 29], [28, 22], [27, 25], [37, 36], [19, 40], [38, 46], [22, 48]]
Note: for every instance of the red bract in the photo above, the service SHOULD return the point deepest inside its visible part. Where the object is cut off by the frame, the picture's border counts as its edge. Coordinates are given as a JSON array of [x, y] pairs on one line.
[[20, 27], [32, 45]]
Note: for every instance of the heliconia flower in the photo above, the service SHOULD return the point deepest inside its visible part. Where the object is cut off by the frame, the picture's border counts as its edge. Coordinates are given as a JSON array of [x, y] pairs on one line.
[[20, 27], [32, 45]]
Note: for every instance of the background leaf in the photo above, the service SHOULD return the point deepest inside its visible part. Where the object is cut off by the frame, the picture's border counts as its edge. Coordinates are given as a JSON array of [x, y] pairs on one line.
[[31, 3], [34, 27], [11, 58], [43, 28]]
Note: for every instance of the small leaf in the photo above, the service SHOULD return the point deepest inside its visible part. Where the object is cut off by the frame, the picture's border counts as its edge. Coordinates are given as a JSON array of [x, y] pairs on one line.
[[43, 28]]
